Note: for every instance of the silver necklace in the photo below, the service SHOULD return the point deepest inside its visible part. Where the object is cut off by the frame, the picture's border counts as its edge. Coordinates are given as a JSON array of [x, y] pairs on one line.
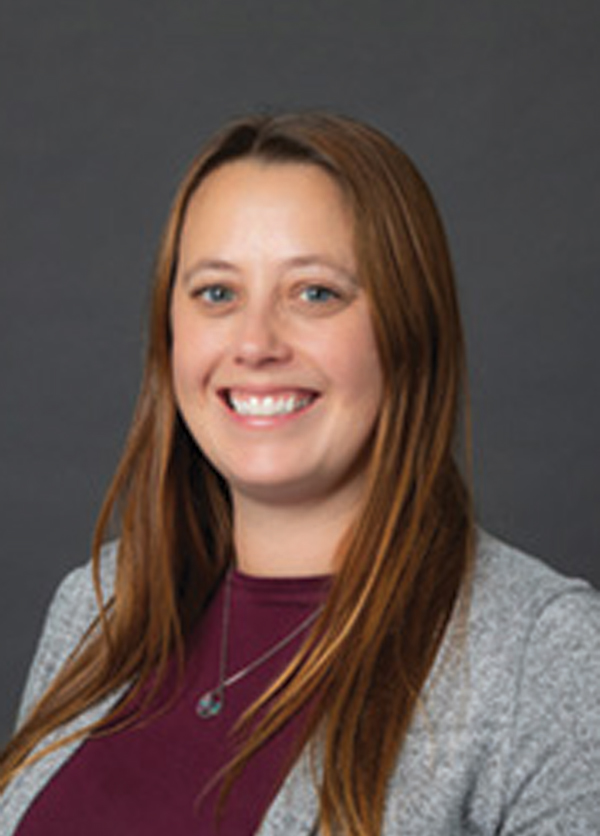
[[211, 703]]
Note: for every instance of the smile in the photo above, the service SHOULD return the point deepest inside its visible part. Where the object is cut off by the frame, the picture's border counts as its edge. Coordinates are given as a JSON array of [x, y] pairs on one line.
[[268, 406]]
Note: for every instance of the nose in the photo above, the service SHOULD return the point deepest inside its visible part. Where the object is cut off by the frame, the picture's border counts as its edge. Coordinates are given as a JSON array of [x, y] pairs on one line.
[[260, 337]]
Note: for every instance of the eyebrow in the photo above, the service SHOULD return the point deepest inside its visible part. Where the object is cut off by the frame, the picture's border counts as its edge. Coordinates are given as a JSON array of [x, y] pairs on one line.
[[320, 261], [212, 265], [218, 265]]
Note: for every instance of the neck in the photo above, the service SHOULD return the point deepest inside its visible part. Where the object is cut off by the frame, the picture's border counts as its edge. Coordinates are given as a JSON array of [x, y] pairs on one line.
[[289, 541]]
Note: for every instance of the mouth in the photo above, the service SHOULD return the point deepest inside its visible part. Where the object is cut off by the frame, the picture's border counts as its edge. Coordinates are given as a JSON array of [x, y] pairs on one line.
[[271, 405]]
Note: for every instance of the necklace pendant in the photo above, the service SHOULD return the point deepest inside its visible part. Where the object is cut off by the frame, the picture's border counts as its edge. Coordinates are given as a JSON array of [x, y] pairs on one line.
[[210, 704]]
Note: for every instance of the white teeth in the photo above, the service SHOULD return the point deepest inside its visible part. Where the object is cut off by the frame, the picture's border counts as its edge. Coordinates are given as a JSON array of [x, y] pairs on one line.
[[268, 406]]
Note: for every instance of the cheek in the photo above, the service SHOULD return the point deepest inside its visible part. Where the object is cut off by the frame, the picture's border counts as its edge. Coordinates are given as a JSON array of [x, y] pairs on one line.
[[180, 358], [188, 354], [179, 370], [190, 365], [356, 365], [368, 388]]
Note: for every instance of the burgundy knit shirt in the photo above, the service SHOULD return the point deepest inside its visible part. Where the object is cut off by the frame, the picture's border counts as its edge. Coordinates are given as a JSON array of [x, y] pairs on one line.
[[149, 780]]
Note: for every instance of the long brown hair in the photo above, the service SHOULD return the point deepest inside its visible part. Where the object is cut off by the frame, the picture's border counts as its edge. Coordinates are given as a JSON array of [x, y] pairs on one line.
[[405, 560]]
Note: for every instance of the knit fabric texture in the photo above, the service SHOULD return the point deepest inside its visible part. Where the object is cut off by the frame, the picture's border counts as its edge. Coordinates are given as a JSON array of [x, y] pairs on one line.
[[506, 740]]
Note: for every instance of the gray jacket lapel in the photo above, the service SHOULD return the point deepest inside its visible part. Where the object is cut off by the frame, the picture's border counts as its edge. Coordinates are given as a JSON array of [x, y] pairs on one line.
[[29, 783]]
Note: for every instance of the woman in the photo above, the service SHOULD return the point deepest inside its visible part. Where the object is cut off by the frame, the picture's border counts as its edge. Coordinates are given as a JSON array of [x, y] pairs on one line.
[[299, 628]]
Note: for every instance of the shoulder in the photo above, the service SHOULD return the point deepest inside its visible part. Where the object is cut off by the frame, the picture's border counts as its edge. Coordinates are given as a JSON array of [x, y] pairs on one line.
[[76, 592], [518, 575], [74, 603], [72, 611], [533, 662], [515, 597], [525, 617], [508, 730]]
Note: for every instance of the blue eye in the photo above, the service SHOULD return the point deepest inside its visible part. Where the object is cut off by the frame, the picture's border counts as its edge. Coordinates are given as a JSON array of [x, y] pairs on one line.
[[318, 293], [215, 294]]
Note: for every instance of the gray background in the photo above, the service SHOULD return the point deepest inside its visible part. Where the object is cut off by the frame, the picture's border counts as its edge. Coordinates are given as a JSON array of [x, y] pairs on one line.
[[102, 103]]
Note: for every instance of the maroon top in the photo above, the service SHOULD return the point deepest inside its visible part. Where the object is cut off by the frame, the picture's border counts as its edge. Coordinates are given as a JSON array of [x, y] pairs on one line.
[[146, 781]]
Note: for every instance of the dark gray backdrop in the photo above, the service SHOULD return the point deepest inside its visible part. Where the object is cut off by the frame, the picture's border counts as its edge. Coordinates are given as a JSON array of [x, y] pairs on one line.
[[103, 102]]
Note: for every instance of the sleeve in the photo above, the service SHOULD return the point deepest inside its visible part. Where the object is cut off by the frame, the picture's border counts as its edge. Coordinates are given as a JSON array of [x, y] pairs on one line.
[[71, 612], [552, 772]]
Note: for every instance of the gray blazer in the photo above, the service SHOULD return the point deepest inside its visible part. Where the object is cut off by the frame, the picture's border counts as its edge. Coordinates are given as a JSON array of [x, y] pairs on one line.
[[507, 740]]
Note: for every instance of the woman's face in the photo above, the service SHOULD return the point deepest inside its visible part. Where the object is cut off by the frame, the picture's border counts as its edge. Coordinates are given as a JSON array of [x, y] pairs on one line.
[[274, 361]]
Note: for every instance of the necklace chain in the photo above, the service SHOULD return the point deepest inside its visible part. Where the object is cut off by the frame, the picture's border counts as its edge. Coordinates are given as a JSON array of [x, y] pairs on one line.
[[211, 703]]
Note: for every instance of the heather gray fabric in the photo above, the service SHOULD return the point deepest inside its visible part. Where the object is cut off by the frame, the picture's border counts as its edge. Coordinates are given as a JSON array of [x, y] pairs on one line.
[[507, 741]]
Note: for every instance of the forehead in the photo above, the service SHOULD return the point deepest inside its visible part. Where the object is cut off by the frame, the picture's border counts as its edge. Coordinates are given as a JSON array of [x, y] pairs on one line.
[[259, 168], [250, 211], [253, 186]]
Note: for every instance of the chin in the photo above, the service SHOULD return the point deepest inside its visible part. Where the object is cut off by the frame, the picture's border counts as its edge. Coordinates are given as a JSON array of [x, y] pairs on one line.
[[275, 491]]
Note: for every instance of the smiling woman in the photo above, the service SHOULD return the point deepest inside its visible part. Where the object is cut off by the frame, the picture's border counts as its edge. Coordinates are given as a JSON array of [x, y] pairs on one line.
[[298, 627], [275, 364]]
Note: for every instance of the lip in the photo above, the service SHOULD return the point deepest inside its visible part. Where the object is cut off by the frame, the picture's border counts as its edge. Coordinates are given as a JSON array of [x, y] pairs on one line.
[[305, 399]]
